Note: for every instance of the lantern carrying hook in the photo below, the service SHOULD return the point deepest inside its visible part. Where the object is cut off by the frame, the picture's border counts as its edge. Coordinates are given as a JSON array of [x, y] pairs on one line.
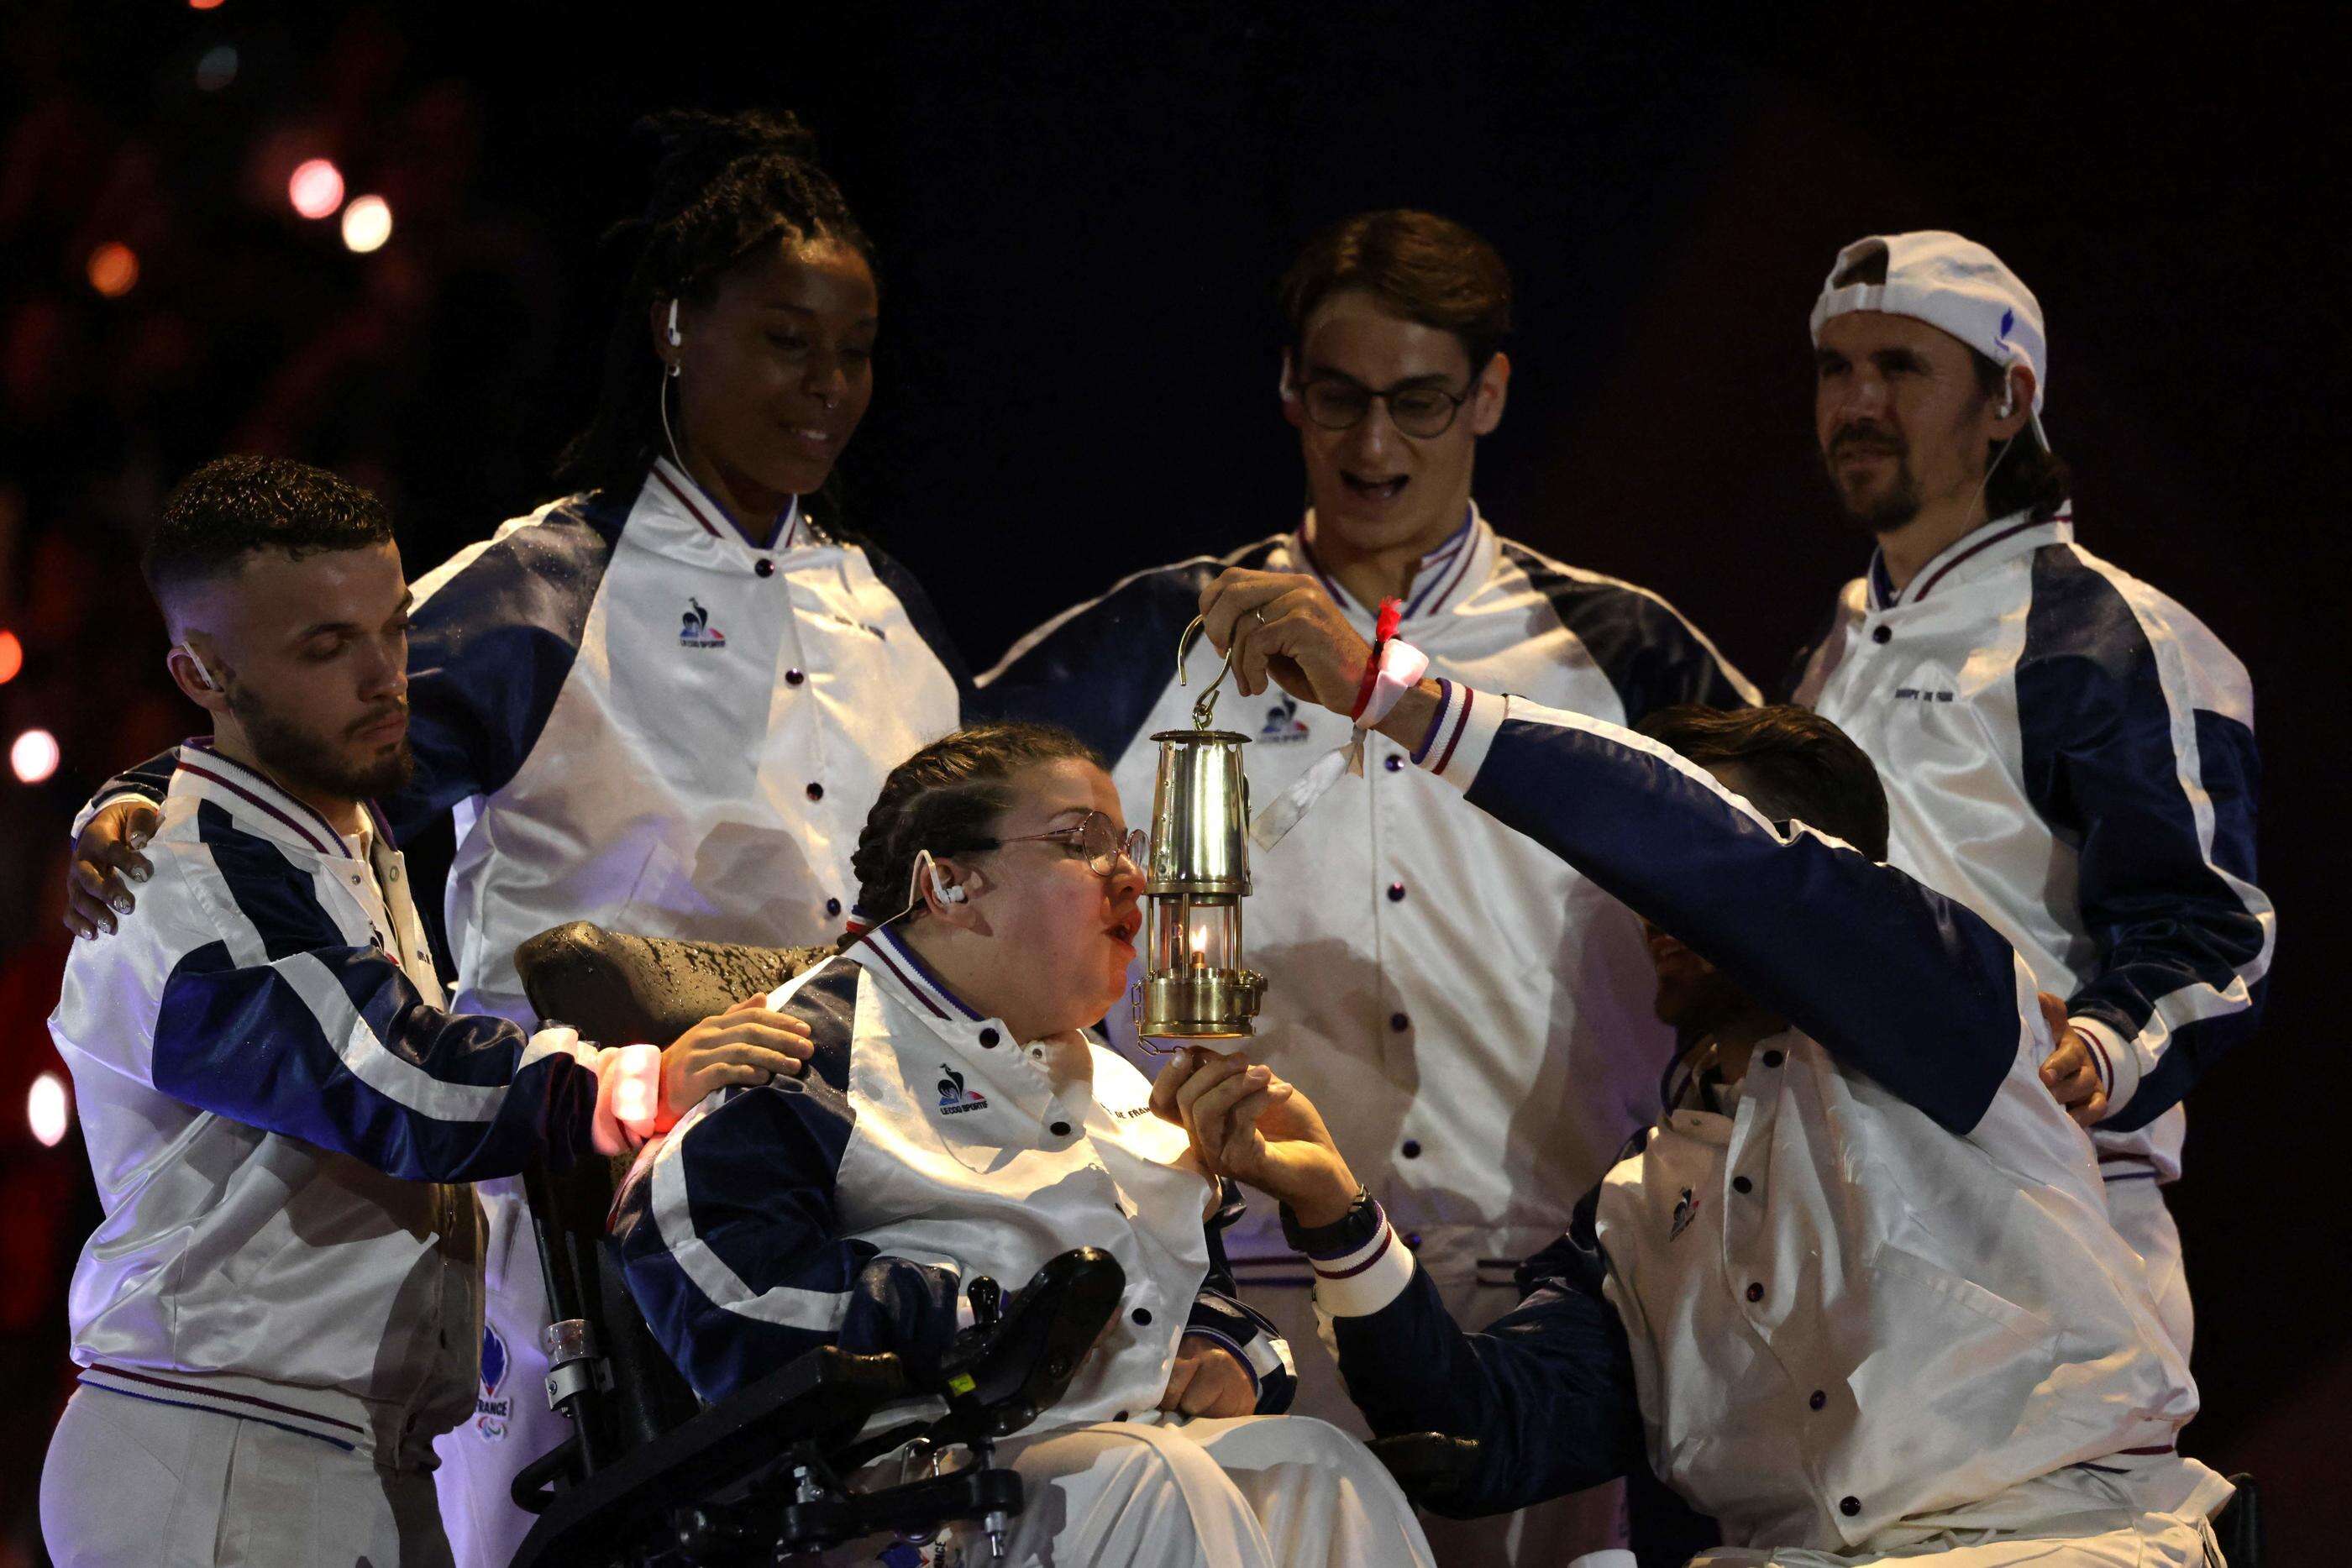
[[1206, 704]]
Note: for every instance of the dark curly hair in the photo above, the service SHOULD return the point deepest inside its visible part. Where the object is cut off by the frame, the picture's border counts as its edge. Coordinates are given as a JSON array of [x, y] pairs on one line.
[[725, 186], [1426, 269], [234, 506], [947, 798]]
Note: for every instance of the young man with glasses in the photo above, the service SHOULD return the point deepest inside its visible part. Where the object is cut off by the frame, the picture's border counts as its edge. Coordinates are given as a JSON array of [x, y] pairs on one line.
[[1468, 1011]]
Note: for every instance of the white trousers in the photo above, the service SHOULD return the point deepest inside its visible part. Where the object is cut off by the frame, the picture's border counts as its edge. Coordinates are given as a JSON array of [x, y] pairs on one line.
[[134, 1483], [2136, 1209], [1249, 1491], [2151, 1540], [1544, 1536], [511, 1425]]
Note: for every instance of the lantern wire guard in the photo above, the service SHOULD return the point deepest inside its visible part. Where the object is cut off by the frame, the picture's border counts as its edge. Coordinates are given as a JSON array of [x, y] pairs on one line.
[[1196, 987]]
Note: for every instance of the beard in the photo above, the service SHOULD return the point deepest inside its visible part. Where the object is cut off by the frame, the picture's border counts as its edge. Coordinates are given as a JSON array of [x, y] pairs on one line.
[[1893, 505], [302, 759]]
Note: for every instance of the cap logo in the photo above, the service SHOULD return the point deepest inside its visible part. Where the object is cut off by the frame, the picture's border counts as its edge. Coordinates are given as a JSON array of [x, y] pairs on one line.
[[2007, 319]]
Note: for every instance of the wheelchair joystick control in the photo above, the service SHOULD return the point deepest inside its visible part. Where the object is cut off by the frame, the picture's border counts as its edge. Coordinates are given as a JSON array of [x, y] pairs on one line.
[[987, 1299]]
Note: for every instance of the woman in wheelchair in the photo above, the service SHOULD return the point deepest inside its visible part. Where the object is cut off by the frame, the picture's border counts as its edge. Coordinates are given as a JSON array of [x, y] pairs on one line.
[[957, 1120]]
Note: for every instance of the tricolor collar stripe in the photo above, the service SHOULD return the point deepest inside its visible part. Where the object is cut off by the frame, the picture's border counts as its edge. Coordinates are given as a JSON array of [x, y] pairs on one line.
[[1469, 553], [678, 491], [325, 840], [895, 952], [1980, 547]]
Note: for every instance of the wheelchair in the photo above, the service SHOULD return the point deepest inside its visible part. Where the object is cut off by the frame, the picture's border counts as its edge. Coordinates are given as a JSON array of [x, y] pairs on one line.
[[648, 1476]]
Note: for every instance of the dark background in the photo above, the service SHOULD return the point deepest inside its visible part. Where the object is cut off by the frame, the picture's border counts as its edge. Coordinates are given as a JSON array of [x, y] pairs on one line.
[[1080, 212]]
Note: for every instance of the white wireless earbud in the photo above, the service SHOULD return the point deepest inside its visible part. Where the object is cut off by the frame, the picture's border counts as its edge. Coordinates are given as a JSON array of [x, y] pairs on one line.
[[1282, 382], [204, 676], [676, 338], [945, 891]]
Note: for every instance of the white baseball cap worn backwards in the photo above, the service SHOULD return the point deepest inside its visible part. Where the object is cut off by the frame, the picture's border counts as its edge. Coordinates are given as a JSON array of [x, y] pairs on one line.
[[1951, 283]]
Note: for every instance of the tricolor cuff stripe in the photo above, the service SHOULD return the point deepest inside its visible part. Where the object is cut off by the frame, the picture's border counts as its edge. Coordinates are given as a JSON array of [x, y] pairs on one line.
[[2118, 1061], [1360, 1282], [1468, 722], [1437, 725], [1240, 1351]]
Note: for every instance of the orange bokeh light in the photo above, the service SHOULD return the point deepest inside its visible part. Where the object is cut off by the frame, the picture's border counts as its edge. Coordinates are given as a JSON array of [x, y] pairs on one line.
[[12, 657], [113, 269], [316, 188], [204, 5]]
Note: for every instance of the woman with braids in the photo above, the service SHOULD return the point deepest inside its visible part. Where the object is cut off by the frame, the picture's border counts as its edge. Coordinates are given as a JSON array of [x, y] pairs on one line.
[[661, 702], [957, 1119]]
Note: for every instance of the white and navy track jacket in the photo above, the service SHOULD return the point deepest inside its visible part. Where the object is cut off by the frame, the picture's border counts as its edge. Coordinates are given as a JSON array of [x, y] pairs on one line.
[[279, 1112], [924, 1147], [643, 720], [1472, 1015], [1869, 1293], [2073, 754]]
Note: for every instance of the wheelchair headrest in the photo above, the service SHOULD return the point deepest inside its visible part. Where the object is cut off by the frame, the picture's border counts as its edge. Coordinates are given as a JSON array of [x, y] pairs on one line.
[[617, 989]]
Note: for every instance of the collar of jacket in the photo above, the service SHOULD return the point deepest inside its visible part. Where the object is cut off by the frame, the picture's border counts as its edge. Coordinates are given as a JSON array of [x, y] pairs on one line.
[[1968, 556], [896, 968], [678, 517], [259, 807], [1445, 579]]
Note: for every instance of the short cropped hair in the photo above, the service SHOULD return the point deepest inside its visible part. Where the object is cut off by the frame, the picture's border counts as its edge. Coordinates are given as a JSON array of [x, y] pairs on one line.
[[233, 507], [1426, 269], [1795, 764]]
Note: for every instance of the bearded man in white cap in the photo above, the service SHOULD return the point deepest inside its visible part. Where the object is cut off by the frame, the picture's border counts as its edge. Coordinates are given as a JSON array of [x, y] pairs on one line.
[[2064, 748]]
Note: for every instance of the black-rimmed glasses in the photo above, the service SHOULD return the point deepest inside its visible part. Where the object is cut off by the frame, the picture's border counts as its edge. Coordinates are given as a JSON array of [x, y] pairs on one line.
[[1419, 412]]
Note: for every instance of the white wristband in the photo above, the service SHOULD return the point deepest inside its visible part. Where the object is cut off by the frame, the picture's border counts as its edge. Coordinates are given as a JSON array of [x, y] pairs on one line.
[[1401, 667]]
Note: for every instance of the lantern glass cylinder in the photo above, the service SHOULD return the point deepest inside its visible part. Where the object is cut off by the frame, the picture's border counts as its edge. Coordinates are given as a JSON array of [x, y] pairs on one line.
[[1195, 986]]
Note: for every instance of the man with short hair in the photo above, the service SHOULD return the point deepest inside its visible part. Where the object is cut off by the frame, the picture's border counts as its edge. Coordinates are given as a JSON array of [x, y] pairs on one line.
[[1856, 1293], [282, 1307], [1467, 1011], [2065, 749]]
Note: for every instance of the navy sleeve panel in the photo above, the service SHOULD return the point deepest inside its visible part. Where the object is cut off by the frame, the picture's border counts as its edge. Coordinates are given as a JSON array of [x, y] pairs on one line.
[[284, 1024], [1219, 1312], [731, 1241], [1546, 1389], [488, 654], [926, 617], [1100, 669], [150, 779], [2179, 947], [1896, 980], [1649, 652]]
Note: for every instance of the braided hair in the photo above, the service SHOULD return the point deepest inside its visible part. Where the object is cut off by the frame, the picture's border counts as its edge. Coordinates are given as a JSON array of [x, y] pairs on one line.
[[725, 186], [947, 799]]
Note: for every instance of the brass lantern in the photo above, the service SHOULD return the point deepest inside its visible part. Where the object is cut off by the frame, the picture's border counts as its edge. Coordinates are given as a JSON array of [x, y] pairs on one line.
[[1194, 986]]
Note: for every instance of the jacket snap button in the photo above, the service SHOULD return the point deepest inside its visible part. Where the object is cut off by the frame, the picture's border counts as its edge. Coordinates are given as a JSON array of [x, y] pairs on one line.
[[1754, 1292], [1061, 1129], [795, 677], [1393, 764], [1143, 1316], [1396, 892], [1819, 1399], [832, 906], [1413, 1149], [765, 568], [1771, 1059], [1881, 635], [1741, 1184], [1413, 1243], [987, 1039], [1849, 1505], [816, 791], [1399, 1022]]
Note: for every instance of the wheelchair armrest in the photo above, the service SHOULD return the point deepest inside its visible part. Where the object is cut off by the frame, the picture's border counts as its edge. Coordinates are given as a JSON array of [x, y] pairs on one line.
[[1426, 1464], [824, 1397]]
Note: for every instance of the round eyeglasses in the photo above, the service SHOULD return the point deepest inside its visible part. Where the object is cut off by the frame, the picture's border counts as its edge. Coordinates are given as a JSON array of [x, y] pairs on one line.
[[1419, 412], [1094, 837]]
